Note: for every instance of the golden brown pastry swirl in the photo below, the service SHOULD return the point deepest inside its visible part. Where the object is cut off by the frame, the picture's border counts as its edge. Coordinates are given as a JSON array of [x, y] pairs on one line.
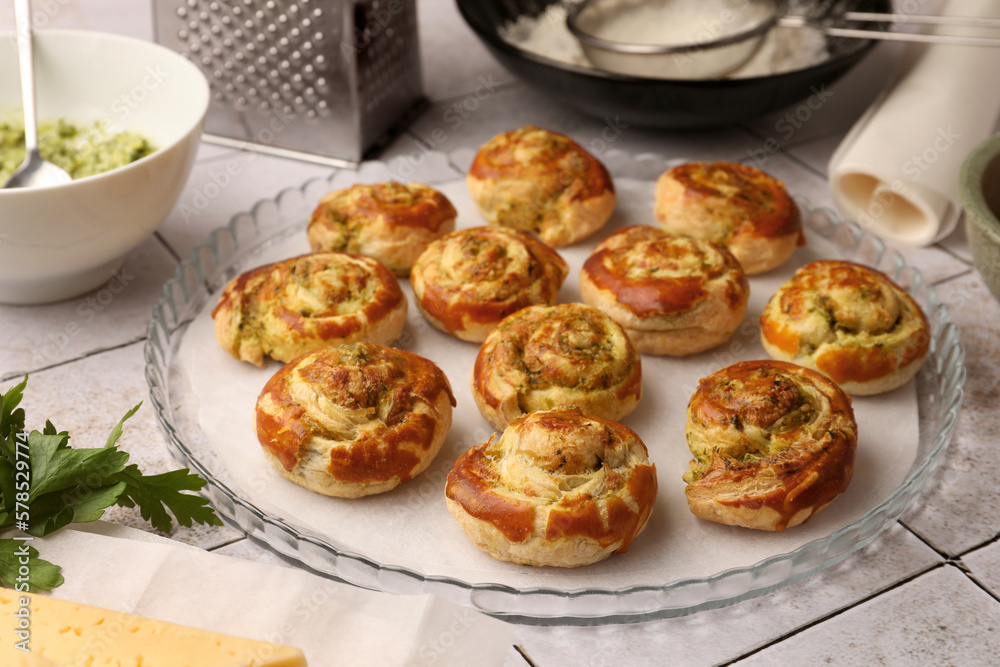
[[558, 488], [773, 444], [735, 205], [850, 322], [544, 356], [541, 182], [468, 281], [287, 308], [673, 295], [354, 420], [391, 222]]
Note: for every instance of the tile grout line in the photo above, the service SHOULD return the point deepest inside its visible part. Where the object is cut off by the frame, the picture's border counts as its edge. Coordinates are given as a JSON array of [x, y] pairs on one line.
[[805, 165], [794, 144], [784, 152], [210, 159], [964, 569], [241, 538], [167, 246], [416, 137], [992, 540], [942, 281], [833, 614], [925, 541], [458, 97], [81, 357], [945, 249], [524, 655]]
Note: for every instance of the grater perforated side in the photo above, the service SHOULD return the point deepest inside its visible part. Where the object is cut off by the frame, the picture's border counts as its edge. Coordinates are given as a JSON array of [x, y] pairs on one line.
[[323, 78]]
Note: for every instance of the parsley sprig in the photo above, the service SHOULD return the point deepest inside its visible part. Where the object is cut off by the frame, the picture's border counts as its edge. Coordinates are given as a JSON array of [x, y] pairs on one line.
[[61, 485]]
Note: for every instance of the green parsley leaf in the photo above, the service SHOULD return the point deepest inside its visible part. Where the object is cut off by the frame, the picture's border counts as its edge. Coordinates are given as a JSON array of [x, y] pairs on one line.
[[55, 466], [116, 432], [11, 419], [41, 573], [154, 494], [52, 484]]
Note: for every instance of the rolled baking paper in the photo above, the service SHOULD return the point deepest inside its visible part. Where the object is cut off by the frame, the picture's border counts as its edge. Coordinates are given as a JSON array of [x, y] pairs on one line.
[[896, 172]]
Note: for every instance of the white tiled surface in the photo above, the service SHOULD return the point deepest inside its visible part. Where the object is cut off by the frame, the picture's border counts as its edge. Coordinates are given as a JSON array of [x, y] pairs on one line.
[[939, 618], [984, 564], [905, 599], [746, 627], [87, 398], [454, 63]]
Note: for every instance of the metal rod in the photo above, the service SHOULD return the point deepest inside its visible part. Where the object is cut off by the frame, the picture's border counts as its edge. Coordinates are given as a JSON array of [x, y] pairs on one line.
[[797, 22], [25, 54], [923, 19]]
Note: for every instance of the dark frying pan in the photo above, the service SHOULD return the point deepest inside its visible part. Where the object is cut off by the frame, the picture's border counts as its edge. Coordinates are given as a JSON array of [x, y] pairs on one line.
[[674, 104]]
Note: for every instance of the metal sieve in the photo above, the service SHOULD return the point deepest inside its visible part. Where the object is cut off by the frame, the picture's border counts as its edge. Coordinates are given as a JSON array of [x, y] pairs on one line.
[[707, 55]]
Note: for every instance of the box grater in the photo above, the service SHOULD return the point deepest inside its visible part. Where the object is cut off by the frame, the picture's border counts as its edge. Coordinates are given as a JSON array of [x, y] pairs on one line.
[[325, 80]]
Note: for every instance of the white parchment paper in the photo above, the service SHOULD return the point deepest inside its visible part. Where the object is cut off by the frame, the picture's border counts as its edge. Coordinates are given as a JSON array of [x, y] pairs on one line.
[[411, 527], [896, 172], [130, 571]]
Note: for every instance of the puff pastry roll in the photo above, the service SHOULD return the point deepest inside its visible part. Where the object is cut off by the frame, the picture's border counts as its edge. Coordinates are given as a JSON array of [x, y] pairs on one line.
[[734, 205], [468, 281], [673, 295], [558, 488], [850, 322], [773, 444], [391, 222], [354, 420], [545, 356], [541, 182], [285, 309]]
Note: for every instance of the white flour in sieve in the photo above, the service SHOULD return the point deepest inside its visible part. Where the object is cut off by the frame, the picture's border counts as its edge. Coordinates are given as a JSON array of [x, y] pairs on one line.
[[546, 35]]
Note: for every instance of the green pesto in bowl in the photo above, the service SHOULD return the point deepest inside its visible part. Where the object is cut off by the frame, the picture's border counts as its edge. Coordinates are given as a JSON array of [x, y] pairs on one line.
[[82, 150]]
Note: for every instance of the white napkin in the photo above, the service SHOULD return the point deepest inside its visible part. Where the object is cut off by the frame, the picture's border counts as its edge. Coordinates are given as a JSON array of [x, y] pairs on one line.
[[334, 624], [896, 172]]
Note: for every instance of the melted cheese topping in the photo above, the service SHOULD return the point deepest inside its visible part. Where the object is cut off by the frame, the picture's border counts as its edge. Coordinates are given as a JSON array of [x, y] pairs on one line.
[[545, 356], [358, 414], [557, 476], [651, 272], [343, 216], [733, 199], [541, 182], [287, 308], [847, 320], [770, 435], [471, 279]]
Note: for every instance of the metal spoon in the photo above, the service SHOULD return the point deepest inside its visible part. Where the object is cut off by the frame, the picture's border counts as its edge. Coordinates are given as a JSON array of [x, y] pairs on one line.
[[35, 171]]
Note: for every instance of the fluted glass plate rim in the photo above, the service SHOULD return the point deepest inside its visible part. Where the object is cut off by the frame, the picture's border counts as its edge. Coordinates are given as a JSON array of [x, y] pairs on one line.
[[940, 389]]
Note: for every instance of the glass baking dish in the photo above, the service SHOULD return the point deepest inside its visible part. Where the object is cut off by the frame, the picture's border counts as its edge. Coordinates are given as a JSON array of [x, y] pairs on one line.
[[232, 248]]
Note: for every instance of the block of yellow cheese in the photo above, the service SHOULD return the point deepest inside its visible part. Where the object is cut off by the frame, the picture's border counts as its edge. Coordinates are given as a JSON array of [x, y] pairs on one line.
[[61, 633]]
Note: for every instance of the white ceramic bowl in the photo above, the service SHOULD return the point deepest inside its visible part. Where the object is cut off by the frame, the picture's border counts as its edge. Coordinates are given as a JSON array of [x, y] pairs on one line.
[[61, 241]]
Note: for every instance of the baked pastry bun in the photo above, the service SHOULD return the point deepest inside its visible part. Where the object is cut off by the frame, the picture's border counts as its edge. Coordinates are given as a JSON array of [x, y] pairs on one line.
[[391, 222], [354, 420], [468, 281], [673, 295], [850, 322], [544, 356], [541, 182], [773, 444], [734, 205], [558, 488], [285, 309]]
